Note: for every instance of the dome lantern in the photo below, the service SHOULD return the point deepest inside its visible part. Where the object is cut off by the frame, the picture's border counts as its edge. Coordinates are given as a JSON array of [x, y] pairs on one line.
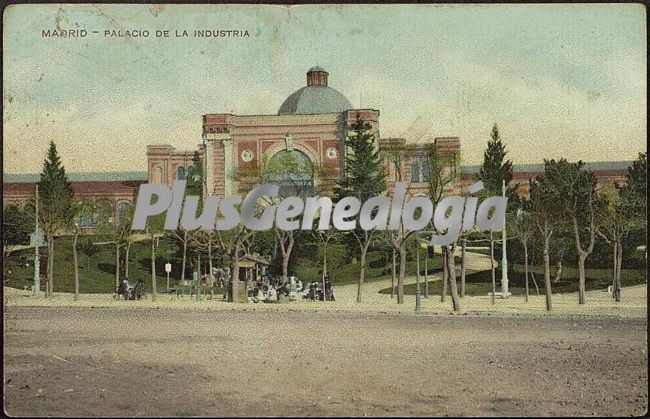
[[316, 76]]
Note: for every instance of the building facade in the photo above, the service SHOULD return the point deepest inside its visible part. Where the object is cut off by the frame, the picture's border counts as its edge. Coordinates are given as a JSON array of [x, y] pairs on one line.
[[312, 125]]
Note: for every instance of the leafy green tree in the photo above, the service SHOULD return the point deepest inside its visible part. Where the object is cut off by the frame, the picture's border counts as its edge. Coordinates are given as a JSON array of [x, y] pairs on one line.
[[624, 212], [364, 177], [195, 176], [578, 205], [56, 209], [17, 224]]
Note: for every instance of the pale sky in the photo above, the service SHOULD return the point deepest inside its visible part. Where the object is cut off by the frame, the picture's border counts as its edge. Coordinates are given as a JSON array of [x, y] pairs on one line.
[[559, 80]]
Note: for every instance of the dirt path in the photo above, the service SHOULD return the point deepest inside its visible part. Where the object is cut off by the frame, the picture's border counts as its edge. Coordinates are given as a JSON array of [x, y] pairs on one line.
[[84, 361]]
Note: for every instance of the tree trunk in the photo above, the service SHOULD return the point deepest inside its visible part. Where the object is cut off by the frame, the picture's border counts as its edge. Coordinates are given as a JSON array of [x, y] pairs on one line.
[[286, 255], [581, 277], [117, 267], [50, 266], [619, 262], [462, 267], [615, 260], [393, 274], [234, 279], [362, 271], [154, 285], [324, 273], [402, 273], [184, 263], [75, 259], [547, 272], [426, 273], [445, 274], [126, 259], [451, 266], [210, 259], [526, 267], [494, 279]]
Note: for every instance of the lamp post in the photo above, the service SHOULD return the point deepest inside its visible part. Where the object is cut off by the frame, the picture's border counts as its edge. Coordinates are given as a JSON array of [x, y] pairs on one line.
[[76, 260], [417, 282], [37, 260], [426, 275], [504, 258]]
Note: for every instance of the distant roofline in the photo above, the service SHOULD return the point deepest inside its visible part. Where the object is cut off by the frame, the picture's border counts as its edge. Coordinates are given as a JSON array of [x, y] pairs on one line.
[[79, 177], [618, 165], [539, 167]]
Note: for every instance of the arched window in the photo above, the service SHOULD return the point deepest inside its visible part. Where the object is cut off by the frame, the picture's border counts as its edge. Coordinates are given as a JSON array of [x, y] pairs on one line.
[[425, 171], [157, 174], [292, 171], [415, 171], [180, 173]]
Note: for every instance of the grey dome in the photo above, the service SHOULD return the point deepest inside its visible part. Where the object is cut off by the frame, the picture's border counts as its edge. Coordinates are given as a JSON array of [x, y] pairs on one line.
[[315, 99]]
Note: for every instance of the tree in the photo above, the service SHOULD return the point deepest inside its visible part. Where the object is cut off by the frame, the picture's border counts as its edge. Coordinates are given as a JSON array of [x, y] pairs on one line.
[[155, 230], [201, 240], [194, 185], [522, 227], [544, 201], [55, 196], [17, 225], [364, 178], [494, 173], [395, 157], [463, 255], [495, 170], [441, 175], [577, 204], [323, 239], [117, 229], [624, 211]]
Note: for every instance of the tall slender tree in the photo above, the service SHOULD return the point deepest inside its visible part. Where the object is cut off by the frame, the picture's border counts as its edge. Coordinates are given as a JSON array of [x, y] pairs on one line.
[[365, 177], [496, 169], [56, 213]]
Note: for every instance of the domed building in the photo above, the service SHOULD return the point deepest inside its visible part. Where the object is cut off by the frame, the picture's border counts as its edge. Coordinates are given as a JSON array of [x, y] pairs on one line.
[[310, 127], [315, 98]]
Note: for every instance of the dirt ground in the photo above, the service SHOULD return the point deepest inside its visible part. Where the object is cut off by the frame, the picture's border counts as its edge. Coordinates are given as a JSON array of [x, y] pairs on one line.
[[166, 362]]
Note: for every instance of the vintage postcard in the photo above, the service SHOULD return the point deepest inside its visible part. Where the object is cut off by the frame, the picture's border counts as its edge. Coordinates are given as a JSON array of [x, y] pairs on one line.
[[324, 210]]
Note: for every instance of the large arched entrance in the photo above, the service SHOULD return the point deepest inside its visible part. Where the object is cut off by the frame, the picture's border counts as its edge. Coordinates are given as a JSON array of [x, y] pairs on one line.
[[293, 171]]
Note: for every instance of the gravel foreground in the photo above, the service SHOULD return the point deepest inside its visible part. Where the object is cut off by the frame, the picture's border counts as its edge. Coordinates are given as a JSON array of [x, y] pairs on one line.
[[167, 362]]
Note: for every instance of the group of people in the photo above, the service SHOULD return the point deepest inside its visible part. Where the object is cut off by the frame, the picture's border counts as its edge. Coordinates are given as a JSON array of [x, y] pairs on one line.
[[130, 292], [273, 290]]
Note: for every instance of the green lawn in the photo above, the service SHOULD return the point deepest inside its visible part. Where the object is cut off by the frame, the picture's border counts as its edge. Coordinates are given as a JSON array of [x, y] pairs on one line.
[[345, 274], [480, 283], [97, 271]]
